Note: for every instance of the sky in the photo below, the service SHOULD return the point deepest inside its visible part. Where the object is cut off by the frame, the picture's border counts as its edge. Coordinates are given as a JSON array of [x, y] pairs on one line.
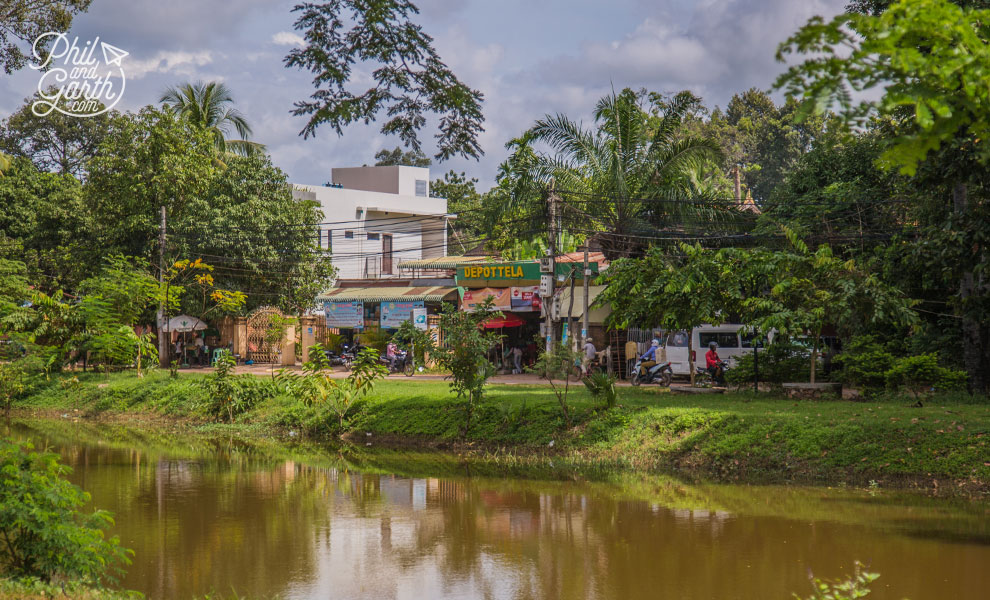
[[530, 58]]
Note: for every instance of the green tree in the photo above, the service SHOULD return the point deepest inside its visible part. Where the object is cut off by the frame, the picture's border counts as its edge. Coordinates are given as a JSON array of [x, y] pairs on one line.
[[398, 157], [45, 533], [410, 79], [208, 106], [332, 397], [811, 289], [929, 59], [45, 214], [257, 237], [463, 200], [698, 286], [56, 142], [464, 352], [22, 22], [633, 173]]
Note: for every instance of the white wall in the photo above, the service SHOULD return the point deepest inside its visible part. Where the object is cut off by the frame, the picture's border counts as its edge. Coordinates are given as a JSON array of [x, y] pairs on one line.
[[416, 224], [388, 180]]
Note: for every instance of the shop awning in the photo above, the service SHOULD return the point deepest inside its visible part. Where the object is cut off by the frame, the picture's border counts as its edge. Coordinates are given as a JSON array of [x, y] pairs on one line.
[[596, 315], [508, 320], [442, 262], [389, 294]]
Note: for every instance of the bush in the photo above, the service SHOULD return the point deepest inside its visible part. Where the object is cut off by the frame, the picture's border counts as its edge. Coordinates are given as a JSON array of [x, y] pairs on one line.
[[18, 379], [602, 388], [864, 364], [780, 362], [922, 373], [230, 395], [45, 535]]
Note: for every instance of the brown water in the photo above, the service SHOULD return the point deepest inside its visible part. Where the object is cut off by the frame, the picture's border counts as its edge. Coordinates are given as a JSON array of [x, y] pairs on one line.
[[303, 523]]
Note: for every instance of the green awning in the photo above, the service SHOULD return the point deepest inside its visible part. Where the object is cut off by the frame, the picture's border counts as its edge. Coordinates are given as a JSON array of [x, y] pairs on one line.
[[387, 294], [443, 262]]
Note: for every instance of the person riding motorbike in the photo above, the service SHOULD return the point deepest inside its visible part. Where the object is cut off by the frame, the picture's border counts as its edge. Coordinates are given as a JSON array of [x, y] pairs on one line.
[[714, 364], [651, 357]]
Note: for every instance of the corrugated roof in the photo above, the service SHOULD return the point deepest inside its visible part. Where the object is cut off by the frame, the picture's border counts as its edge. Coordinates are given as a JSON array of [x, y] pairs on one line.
[[443, 262], [387, 294]]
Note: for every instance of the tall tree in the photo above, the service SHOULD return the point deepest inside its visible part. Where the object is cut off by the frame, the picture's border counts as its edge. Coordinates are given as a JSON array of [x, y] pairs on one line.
[[929, 59], [410, 80], [208, 106], [55, 142], [631, 175], [397, 157], [22, 21]]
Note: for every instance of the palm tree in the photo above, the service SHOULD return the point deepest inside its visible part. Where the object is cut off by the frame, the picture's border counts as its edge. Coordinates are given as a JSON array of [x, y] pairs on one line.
[[207, 105], [632, 176]]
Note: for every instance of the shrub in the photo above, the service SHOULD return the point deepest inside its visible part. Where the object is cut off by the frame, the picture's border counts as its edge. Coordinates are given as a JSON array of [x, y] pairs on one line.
[[18, 379], [921, 373], [45, 534], [230, 395], [864, 364], [328, 397], [780, 362], [602, 388]]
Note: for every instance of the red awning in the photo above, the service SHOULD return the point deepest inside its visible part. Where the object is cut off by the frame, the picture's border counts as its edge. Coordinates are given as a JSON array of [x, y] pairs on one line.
[[509, 320]]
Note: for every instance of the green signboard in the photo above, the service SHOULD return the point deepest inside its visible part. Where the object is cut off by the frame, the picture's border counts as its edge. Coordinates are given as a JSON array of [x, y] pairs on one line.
[[511, 273]]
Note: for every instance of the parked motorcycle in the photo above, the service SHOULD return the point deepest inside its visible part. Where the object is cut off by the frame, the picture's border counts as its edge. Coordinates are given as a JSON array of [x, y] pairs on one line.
[[660, 373]]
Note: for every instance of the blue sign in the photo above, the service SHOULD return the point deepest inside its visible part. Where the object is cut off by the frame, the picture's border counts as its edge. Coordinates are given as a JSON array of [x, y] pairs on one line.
[[344, 315], [394, 313]]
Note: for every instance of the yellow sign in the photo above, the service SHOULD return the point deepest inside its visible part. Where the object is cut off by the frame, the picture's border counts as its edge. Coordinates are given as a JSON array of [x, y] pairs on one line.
[[494, 272]]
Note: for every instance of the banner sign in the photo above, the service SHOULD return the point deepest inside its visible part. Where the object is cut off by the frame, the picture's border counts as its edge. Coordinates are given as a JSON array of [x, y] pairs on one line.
[[394, 313], [501, 296], [344, 315], [419, 318], [526, 298]]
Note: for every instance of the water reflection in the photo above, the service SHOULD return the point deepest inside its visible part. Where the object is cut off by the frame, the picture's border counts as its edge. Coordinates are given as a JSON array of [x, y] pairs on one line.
[[231, 517]]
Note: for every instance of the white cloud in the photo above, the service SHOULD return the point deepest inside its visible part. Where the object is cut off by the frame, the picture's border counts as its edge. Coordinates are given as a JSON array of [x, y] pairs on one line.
[[176, 62], [287, 38]]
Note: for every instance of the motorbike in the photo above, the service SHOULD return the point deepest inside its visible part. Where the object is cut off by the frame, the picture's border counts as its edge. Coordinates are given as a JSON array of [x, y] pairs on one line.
[[661, 373], [403, 363], [704, 378]]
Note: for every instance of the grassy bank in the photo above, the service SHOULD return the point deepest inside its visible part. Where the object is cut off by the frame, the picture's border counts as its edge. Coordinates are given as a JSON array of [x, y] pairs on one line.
[[728, 437]]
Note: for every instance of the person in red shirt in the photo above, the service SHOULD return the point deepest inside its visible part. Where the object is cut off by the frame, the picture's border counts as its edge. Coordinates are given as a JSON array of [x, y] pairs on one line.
[[714, 363]]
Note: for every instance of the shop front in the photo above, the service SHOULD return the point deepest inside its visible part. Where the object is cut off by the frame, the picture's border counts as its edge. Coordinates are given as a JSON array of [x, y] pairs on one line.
[[377, 311]]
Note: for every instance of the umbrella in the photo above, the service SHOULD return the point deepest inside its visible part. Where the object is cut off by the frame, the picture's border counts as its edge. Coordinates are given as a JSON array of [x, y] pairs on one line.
[[509, 320], [183, 323]]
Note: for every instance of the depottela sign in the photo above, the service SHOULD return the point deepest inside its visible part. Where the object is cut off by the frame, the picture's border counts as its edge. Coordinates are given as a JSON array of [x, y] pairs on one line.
[[394, 313], [344, 315]]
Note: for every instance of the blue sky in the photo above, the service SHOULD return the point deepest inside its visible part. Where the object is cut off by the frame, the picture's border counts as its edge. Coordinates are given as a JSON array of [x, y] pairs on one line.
[[530, 58]]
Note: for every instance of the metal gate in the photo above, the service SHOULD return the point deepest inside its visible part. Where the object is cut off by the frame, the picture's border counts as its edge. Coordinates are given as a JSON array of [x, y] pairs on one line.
[[259, 348]]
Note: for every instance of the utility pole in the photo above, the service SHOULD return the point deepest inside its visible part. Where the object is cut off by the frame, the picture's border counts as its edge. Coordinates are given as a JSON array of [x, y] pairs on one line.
[[163, 344], [587, 283], [551, 256]]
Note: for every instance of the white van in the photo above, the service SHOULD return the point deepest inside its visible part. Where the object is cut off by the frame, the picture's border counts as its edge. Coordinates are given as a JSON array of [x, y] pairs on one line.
[[732, 343]]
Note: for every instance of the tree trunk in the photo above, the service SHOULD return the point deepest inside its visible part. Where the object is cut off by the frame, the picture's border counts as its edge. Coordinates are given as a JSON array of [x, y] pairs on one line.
[[971, 338], [691, 355], [814, 355]]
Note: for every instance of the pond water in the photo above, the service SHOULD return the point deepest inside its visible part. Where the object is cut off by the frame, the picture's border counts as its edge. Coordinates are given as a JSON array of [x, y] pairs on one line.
[[218, 515]]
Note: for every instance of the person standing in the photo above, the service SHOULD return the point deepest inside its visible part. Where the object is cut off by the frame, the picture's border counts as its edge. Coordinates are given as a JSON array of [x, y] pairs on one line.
[[199, 344], [589, 355], [517, 354]]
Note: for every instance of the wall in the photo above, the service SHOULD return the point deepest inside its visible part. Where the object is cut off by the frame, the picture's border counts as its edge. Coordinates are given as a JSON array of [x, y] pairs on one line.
[[389, 180], [362, 212]]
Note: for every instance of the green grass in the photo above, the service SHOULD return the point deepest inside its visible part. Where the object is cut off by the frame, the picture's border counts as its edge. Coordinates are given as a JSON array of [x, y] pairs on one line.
[[732, 436]]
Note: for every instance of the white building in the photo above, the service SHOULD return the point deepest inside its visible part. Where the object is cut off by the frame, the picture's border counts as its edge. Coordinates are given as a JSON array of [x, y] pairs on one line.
[[376, 217]]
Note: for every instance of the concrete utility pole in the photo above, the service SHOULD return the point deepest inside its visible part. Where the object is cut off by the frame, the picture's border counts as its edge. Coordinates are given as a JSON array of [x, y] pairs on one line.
[[551, 255], [162, 339], [587, 283]]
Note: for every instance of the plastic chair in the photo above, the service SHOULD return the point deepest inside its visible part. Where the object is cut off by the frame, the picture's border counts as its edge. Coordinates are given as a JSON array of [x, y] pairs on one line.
[[217, 352]]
